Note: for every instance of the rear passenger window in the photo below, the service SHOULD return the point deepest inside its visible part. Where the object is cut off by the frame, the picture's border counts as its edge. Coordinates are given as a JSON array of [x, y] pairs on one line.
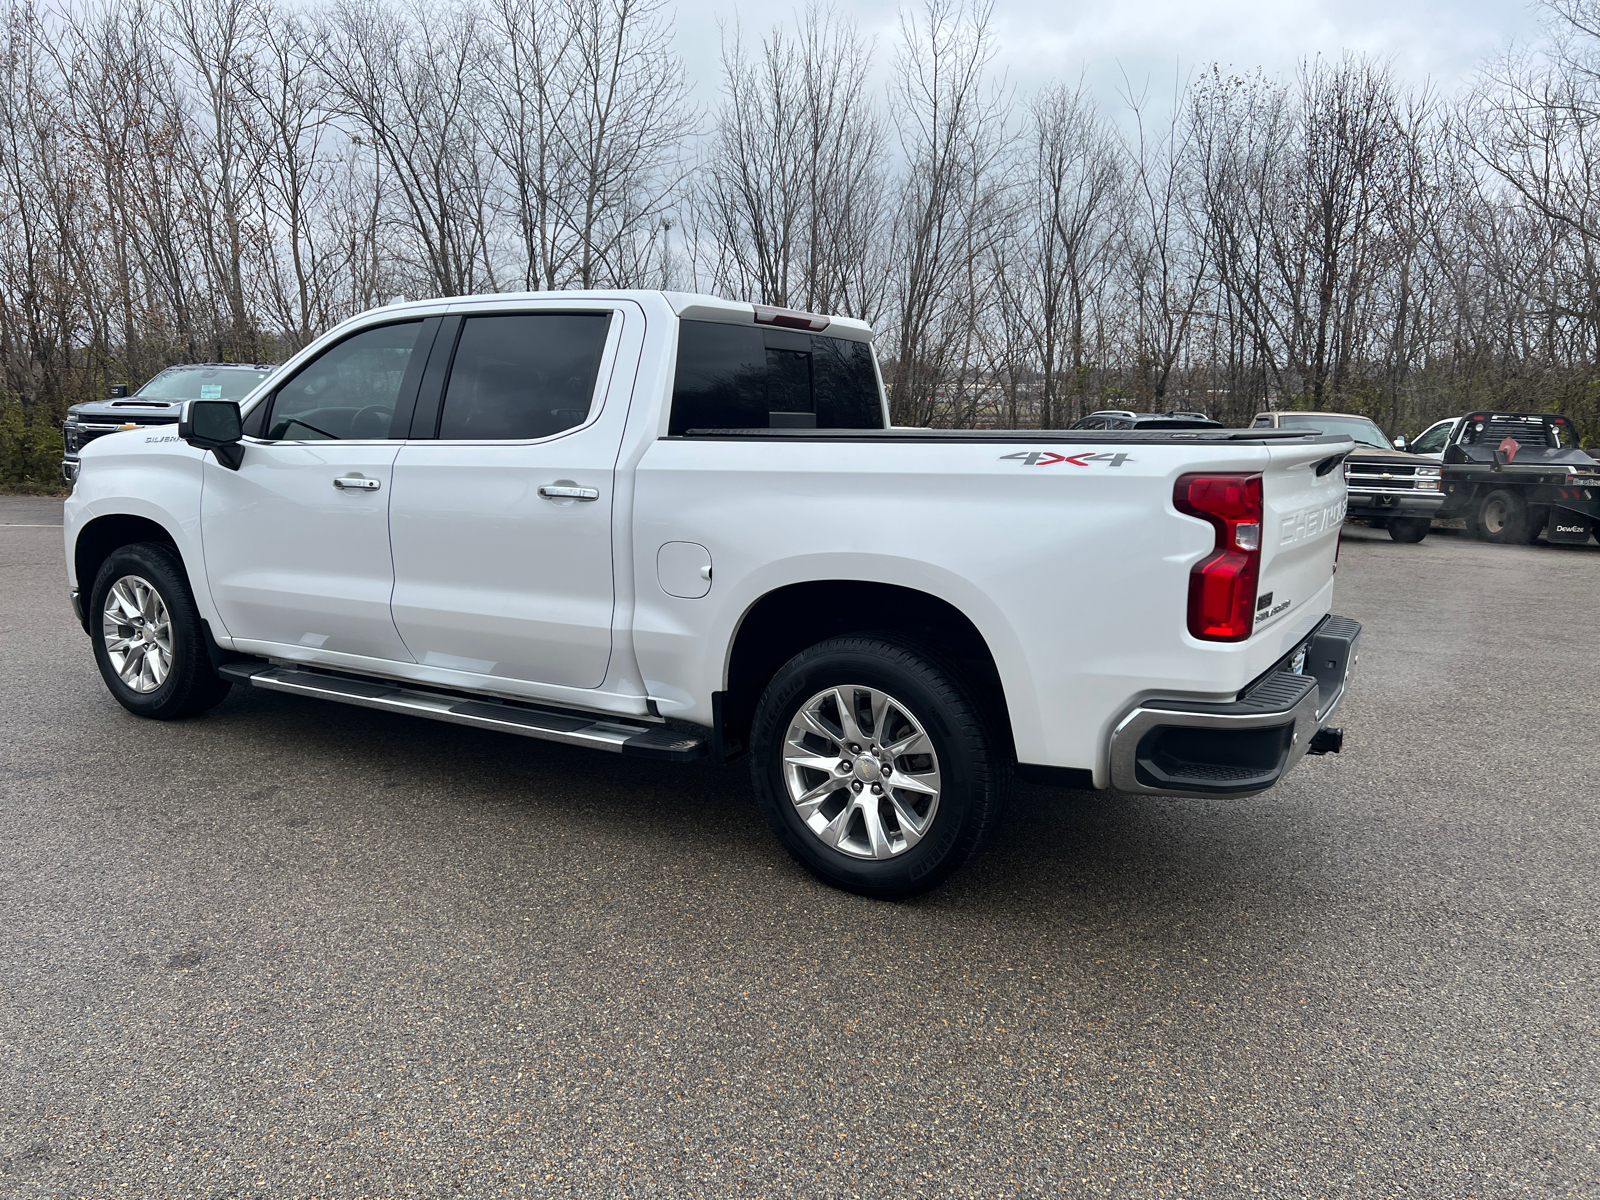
[[520, 376], [745, 377], [348, 391]]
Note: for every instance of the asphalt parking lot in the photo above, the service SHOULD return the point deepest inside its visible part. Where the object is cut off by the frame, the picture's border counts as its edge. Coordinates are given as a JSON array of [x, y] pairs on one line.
[[295, 950]]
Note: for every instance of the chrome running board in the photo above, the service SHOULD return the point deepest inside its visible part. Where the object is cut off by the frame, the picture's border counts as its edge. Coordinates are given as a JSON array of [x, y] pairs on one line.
[[616, 734]]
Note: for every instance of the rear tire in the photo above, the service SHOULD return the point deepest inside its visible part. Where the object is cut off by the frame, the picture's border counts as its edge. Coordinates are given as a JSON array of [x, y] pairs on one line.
[[1502, 518], [1538, 518], [148, 640], [819, 770], [1409, 529]]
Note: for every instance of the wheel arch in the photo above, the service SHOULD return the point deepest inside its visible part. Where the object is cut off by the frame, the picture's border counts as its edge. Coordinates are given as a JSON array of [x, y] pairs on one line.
[[788, 619], [100, 537]]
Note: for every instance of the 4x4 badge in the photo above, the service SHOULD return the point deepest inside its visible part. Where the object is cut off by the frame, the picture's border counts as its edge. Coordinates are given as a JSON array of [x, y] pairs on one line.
[[1046, 458]]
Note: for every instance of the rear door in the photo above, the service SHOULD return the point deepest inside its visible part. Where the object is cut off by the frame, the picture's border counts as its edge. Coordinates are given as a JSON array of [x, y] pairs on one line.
[[501, 514]]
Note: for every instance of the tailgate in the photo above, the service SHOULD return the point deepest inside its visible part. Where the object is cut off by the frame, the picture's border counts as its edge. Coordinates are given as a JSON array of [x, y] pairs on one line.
[[1302, 514]]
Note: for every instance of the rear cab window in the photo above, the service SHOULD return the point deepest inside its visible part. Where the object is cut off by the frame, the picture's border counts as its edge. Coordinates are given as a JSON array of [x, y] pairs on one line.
[[750, 377]]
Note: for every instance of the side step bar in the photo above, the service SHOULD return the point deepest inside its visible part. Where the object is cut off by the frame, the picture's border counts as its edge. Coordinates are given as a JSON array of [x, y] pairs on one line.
[[616, 734]]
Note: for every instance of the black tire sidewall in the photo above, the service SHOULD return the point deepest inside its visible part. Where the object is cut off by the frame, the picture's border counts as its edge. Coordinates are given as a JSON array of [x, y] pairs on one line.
[[191, 684], [970, 777], [1516, 518], [1408, 530]]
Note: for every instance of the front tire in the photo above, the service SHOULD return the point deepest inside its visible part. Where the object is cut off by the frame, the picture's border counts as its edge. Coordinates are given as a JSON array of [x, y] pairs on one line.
[[875, 767], [148, 640], [1409, 529]]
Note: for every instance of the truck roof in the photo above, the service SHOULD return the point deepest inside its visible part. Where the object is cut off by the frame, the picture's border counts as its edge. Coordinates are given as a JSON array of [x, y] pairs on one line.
[[690, 306]]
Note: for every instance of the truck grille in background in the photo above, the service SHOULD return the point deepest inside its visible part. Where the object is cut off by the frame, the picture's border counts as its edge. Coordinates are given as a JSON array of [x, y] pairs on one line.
[[1367, 477], [79, 436]]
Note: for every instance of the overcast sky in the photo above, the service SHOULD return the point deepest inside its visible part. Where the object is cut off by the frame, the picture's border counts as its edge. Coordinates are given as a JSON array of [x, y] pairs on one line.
[[1153, 39]]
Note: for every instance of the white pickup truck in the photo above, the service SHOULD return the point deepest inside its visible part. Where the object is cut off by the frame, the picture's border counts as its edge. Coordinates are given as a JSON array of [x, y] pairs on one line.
[[672, 526]]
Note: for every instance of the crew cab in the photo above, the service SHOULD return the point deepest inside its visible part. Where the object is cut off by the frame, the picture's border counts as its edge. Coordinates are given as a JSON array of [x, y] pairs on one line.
[[675, 527], [1389, 488], [1513, 476]]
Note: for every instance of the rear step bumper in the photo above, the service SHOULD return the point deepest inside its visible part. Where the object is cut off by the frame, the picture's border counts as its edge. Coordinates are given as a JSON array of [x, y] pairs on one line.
[[618, 735], [1242, 748]]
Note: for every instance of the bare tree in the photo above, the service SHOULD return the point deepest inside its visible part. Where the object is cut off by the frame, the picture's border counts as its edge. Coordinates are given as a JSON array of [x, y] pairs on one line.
[[619, 139], [411, 89], [526, 61], [214, 37], [1167, 257], [1070, 195], [792, 193], [951, 209]]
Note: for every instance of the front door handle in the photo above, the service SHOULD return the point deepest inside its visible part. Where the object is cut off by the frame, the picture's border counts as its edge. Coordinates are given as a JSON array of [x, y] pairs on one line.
[[558, 492], [356, 483]]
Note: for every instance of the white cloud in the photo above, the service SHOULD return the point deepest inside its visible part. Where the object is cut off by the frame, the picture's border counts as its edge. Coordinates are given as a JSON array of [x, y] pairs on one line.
[[1155, 39]]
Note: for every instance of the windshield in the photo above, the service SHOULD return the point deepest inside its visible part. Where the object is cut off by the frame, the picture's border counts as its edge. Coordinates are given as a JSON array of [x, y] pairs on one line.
[[1359, 428], [203, 383]]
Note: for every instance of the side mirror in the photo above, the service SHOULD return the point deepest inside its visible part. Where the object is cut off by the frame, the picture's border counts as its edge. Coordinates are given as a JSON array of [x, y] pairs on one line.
[[118, 390], [1400, 442], [214, 425]]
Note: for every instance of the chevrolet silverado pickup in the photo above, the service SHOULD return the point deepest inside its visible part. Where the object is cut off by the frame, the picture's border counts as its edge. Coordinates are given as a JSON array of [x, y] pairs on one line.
[[1388, 488], [674, 527]]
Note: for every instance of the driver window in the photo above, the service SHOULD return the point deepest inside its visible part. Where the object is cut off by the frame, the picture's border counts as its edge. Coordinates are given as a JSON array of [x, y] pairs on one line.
[[1432, 441], [346, 393]]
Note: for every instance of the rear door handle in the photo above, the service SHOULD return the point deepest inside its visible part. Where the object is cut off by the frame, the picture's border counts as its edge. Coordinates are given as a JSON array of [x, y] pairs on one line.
[[557, 492], [356, 483]]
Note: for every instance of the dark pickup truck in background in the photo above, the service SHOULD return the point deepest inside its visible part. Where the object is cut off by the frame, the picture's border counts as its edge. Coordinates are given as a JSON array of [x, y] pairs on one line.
[[1513, 476], [1390, 489], [158, 402]]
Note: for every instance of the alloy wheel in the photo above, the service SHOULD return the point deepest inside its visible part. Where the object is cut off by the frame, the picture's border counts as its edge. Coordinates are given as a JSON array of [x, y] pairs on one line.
[[138, 633], [861, 772]]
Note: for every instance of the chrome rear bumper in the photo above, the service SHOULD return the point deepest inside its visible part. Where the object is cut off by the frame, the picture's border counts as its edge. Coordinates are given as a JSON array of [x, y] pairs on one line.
[[1242, 747]]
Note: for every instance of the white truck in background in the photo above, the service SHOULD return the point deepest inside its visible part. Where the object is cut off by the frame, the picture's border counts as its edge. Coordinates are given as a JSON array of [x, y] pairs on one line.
[[672, 526]]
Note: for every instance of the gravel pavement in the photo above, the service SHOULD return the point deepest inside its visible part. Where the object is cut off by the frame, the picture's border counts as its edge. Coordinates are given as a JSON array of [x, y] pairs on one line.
[[296, 950]]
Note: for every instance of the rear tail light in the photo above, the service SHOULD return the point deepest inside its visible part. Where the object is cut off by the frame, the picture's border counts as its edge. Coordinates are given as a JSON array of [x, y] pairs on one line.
[[1222, 586]]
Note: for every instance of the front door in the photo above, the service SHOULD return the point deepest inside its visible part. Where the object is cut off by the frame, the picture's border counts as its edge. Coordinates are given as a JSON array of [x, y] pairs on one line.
[[502, 507], [297, 540]]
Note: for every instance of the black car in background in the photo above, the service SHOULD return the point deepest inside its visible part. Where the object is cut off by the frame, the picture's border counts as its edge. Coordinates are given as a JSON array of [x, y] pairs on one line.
[[158, 402], [1117, 418]]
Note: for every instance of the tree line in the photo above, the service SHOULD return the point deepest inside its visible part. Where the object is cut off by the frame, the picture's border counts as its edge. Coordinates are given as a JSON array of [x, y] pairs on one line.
[[205, 180]]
